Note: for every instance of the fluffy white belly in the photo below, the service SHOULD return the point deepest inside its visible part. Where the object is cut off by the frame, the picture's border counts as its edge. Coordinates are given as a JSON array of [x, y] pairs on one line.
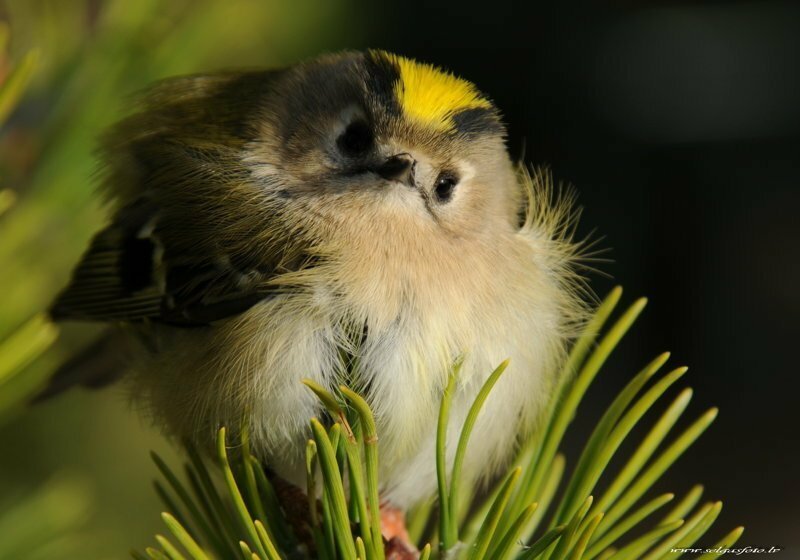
[[251, 369]]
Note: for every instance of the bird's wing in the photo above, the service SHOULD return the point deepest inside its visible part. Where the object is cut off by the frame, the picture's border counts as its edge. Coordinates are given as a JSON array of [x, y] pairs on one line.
[[193, 238], [130, 273]]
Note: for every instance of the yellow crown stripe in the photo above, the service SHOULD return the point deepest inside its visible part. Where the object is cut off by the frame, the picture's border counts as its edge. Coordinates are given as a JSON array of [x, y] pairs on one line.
[[433, 96]]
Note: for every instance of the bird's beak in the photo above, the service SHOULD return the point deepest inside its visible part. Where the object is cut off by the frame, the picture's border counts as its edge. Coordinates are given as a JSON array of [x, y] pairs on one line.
[[399, 167]]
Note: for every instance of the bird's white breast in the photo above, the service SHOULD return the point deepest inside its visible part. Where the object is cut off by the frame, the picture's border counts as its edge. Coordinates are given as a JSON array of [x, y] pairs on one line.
[[406, 317]]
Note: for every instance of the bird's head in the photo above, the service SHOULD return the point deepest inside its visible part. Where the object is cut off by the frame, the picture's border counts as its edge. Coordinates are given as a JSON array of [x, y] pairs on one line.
[[375, 136]]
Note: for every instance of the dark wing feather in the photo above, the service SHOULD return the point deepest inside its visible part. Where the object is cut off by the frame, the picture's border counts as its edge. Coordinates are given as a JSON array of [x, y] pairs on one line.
[[126, 275], [114, 279]]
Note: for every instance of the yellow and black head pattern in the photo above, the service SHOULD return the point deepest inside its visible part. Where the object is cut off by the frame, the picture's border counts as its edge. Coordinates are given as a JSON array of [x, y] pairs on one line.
[[429, 96], [393, 96]]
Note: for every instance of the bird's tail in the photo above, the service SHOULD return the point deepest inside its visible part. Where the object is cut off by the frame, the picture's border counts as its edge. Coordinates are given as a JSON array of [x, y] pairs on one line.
[[98, 365]]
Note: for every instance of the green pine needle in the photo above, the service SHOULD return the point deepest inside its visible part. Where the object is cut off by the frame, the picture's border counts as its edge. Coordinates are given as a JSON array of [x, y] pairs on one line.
[[248, 521], [726, 542]]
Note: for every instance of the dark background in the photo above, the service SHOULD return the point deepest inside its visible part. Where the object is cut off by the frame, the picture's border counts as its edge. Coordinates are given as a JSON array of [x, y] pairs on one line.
[[679, 125]]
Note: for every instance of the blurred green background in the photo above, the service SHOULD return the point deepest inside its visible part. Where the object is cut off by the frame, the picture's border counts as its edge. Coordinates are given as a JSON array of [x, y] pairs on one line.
[[92, 56], [676, 120]]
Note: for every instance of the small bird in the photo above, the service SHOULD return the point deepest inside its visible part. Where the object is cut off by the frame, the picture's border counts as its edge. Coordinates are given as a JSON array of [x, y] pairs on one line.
[[354, 219]]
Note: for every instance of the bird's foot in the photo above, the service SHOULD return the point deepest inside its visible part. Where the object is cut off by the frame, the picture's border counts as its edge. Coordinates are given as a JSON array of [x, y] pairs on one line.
[[393, 528]]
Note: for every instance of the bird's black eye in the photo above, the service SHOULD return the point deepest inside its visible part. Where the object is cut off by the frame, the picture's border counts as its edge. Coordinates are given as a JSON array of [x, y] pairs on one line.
[[356, 139], [445, 186]]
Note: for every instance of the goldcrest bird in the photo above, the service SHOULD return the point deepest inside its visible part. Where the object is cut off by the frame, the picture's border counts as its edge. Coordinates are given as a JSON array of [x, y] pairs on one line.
[[354, 219]]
